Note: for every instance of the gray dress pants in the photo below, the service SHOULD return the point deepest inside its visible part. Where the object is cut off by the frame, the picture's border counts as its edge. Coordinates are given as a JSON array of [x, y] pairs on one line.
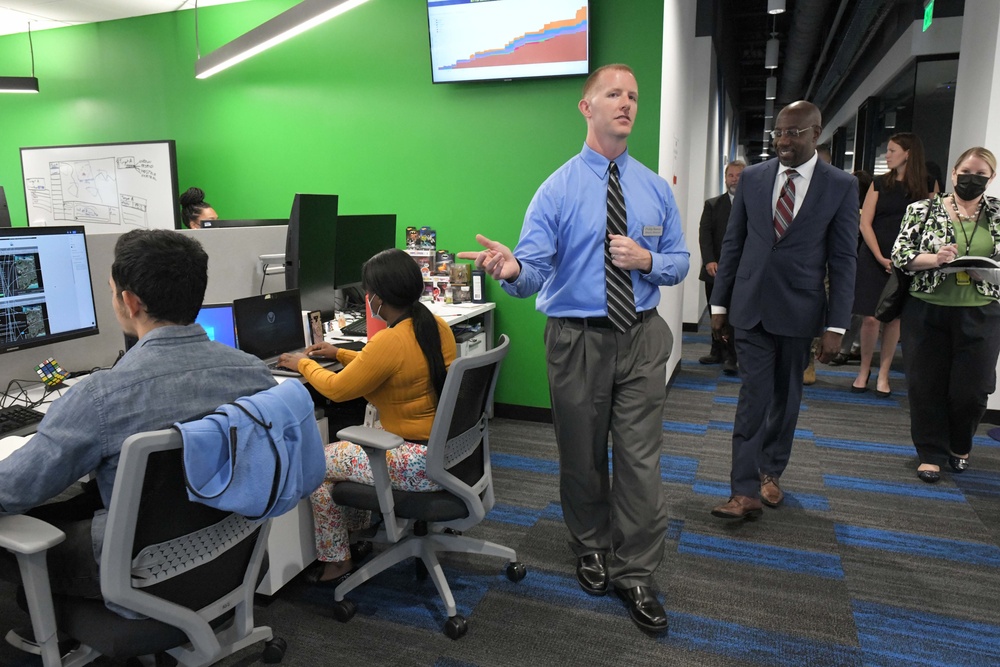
[[602, 381]]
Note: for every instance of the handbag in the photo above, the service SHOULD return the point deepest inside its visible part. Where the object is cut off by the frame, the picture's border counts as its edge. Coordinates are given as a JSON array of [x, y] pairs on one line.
[[893, 296], [897, 289]]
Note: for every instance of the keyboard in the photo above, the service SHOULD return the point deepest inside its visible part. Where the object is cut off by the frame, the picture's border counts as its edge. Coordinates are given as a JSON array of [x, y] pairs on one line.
[[18, 420], [358, 327]]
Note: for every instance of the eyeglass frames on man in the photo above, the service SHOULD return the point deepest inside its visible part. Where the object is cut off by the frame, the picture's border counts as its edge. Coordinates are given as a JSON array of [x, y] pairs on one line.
[[777, 134]]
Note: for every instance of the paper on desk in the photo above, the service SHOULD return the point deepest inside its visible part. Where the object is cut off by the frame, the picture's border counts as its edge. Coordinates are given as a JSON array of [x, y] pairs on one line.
[[12, 443]]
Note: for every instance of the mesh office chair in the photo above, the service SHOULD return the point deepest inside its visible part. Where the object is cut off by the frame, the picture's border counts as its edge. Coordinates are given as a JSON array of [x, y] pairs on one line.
[[422, 524], [191, 569]]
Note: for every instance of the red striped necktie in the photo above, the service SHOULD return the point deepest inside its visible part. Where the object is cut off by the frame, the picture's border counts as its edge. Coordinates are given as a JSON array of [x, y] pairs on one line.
[[785, 210]]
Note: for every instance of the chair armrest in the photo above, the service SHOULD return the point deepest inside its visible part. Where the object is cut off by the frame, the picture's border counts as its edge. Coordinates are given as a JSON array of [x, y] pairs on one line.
[[370, 437], [27, 535]]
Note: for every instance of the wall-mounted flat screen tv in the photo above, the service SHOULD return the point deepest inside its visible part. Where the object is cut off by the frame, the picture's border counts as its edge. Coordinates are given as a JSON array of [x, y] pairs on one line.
[[486, 40]]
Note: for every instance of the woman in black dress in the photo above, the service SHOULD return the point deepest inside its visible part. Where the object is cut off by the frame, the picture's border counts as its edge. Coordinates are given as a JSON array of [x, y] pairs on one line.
[[886, 202]]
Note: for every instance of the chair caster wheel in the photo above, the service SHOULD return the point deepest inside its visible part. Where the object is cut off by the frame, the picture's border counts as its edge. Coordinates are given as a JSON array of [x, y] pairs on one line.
[[274, 650], [344, 610], [456, 627], [516, 571]]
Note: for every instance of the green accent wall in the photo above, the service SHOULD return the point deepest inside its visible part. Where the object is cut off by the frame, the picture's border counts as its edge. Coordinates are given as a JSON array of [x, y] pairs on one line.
[[346, 108]]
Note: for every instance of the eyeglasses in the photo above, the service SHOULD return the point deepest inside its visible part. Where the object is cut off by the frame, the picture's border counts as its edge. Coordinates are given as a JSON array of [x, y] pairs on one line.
[[777, 134]]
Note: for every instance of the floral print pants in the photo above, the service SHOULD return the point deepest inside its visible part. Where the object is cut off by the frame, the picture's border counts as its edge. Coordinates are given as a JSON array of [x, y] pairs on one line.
[[347, 462]]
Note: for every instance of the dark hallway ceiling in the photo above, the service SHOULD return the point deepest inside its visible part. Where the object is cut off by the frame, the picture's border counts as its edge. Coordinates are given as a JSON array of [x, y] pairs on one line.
[[827, 48]]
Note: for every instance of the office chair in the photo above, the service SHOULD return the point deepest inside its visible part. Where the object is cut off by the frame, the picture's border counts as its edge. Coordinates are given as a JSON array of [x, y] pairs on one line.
[[423, 524], [189, 568]]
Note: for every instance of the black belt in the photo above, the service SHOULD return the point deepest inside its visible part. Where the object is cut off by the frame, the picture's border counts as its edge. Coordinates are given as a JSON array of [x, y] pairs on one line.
[[605, 322]]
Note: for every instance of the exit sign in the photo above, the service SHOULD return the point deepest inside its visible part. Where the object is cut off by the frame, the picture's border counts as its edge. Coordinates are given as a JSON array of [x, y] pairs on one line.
[[928, 14]]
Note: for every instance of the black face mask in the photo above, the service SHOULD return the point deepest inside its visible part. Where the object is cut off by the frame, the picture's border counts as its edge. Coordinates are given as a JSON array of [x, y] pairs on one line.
[[970, 186]]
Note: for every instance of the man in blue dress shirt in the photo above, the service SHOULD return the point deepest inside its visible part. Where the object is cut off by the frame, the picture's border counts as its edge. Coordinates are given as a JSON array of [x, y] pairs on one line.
[[604, 376]]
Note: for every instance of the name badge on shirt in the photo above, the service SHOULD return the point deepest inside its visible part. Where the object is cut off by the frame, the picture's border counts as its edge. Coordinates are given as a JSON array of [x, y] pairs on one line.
[[652, 230]]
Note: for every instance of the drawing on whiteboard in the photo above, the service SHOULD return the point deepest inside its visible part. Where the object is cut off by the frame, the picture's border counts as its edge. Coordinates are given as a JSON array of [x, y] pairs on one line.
[[108, 188], [90, 191]]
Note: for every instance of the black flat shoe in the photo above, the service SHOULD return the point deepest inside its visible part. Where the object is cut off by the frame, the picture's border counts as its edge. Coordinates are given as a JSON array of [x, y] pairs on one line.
[[958, 464], [861, 390], [592, 574], [360, 551], [644, 609], [929, 476]]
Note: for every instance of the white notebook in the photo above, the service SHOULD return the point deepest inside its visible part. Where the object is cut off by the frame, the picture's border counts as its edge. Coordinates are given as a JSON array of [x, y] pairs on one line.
[[11, 443]]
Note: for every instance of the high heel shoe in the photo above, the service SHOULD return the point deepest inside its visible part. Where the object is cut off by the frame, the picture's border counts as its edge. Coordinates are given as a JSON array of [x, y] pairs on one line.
[[929, 476], [958, 464], [861, 390]]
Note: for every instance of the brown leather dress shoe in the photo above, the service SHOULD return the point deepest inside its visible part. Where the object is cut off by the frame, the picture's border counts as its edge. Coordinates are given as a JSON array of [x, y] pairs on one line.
[[739, 507], [770, 493]]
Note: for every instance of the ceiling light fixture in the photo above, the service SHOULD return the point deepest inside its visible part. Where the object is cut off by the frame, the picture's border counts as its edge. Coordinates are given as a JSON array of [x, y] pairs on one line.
[[22, 84], [768, 108], [771, 88], [771, 53], [775, 6], [293, 21], [890, 120]]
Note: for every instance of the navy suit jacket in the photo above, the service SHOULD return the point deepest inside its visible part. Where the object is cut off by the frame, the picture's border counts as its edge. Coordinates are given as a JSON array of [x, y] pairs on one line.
[[780, 285]]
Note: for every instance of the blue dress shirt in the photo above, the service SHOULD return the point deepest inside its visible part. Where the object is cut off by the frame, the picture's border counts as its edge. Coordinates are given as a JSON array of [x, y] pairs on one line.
[[561, 249]]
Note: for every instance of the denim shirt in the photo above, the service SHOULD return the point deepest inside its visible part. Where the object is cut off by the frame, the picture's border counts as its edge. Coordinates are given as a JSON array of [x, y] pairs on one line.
[[174, 373]]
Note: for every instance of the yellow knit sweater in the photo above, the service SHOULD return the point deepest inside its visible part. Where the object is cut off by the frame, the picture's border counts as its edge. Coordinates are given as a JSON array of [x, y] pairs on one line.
[[391, 373]]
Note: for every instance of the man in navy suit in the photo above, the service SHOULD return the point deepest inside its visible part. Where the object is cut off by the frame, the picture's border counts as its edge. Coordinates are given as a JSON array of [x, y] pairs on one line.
[[794, 220]]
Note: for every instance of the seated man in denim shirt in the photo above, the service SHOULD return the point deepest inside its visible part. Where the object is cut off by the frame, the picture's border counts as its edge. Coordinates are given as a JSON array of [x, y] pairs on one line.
[[174, 373]]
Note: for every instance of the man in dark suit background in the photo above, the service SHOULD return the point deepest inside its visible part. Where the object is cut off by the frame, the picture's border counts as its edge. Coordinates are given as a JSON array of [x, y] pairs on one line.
[[711, 230], [782, 240]]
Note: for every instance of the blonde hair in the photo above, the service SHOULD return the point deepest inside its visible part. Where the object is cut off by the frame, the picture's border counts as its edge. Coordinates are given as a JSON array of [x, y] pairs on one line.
[[982, 153], [591, 82]]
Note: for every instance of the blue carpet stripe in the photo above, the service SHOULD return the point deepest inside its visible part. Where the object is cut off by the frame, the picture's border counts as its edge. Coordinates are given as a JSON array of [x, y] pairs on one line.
[[512, 514], [694, 385], [984, 441], [915, 489], [678, 469], [552, 513], [892, 636], [866, 447], [813, 563], [674, 529], [746, 645], [733, 400], [978, 482], [924, 546], [684, 427], [741, 643], [806, 501], [524, 463], [843, 395]]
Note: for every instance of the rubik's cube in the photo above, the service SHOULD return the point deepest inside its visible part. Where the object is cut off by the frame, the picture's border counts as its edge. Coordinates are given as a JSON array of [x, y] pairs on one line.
[[51, 372]]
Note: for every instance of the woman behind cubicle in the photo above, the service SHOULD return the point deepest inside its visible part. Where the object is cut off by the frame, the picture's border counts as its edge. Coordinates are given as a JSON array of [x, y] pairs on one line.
[[194, 208], [401, 371]]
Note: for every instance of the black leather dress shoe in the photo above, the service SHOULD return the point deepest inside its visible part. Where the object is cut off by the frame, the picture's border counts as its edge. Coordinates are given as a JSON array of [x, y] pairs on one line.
[[958, 464], [644, 609], [592, 574]]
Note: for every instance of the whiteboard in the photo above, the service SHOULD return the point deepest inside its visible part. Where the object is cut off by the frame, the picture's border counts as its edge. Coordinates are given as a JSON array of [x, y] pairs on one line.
[[107, 188]]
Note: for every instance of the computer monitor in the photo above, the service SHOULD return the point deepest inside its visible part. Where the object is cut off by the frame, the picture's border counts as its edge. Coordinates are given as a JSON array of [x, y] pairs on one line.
[[45, 290], [217, 321], [358, 238], [4, 211], [261, 222], [309, 251]]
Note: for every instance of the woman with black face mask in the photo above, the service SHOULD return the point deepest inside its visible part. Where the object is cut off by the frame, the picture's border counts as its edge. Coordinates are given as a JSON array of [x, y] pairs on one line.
[[951, 322]]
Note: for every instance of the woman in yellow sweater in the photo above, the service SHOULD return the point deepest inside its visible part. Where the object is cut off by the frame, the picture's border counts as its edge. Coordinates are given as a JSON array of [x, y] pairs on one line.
[[401, 372]]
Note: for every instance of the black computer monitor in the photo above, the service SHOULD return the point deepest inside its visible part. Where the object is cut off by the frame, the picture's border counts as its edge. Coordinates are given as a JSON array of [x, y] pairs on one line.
[[261, 222], [358, 238], [45, 290], [4, 211], [309, 251]]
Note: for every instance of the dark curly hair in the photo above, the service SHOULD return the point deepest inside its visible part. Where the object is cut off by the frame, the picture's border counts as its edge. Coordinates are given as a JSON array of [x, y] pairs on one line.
[[192, 204]]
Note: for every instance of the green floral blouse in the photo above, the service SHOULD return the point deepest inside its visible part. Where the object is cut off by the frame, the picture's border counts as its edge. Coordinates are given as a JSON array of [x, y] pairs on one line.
[[925, 228]]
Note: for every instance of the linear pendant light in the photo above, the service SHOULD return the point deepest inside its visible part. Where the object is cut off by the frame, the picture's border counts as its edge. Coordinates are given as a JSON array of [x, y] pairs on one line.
[[284, 26], [22, 84], [18, 84]]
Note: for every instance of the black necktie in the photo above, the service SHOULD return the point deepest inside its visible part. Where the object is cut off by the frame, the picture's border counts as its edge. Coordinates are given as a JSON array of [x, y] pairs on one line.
[[621, 301]]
